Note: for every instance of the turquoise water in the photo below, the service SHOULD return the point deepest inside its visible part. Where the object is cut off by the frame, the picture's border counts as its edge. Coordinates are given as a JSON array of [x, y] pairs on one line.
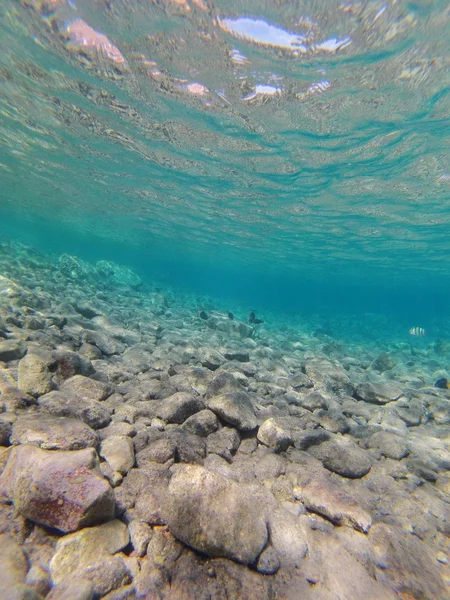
[[289, 157]]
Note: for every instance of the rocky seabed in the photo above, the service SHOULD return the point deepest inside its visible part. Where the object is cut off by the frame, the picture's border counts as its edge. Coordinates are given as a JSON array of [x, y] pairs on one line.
[[152, 447]]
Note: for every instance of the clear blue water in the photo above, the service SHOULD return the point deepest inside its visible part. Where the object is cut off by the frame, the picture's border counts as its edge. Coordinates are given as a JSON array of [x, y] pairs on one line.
[[288, 157]]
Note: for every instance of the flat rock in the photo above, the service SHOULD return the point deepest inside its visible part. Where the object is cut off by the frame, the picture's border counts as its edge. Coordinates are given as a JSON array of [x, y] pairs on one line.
[[103, 341], [34, 376], [63, 490], [215, 515], [223, 442], [272, 434], [64, 404], [11, 350], [66, 591], [333, 503], [342, 456], [77, 552], [221, 384], [53, 433], [210, 358], [236, 408], [118, 451], [380, 392], [86, 388], [390, 445], [178, 407]]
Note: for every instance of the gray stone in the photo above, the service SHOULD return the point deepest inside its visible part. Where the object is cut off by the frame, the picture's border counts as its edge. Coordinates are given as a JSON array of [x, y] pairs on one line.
[[71, 590], [63, 404], [274, 435], [391, 445], [34, 376], [86, 388], [11, 350], [236, 408], [329, 500], [107, 574], [221, 384], [53, 433], [159, 451], [313, 400], [63, 490], [14, 566], [148, 507], [201, 509], [188, 448], [69, 364], [118, 451], [224, 442], [202, 423], [210, 358], [240, 355], [140, 534], [380, 392], [178, 407], [287, 536], [103, 341], [383, 362], [342, 456], [332, 420]]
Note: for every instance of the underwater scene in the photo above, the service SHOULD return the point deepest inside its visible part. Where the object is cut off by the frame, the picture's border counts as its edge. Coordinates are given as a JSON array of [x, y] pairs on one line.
[[224, 300]]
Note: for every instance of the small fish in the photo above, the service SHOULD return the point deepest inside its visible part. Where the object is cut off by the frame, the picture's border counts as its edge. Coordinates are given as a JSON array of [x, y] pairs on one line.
[[203, 315], [252, 319], [230, 315], [442, 384], [417, 331]]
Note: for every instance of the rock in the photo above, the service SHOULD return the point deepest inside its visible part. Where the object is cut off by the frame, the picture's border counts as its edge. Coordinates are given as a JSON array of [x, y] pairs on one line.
[[310, 437], [34, 376], [178, 407], [118, 451], [383, 362], [210, 358], [63, 404], [83, 590], [273, 435], [332, 420], [14, 567], [268, 562], [202, 423], [188, 448], [287, 536], [148, 507], [14, 400], [201, 509], [106, 344], [221, 384], [391, 445], [235, 408], [240, 355], [381, 392], [86, 388], [224, 442], [69, 364], [140, 534], [159, 451], [87, 554], [53, 433], [5, 433], [333, 503], [11, 350], [313, 400], [328, 376], [342, 456], [63, 490]]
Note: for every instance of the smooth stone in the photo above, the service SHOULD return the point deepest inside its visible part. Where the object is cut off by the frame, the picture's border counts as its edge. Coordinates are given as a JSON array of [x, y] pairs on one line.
[[63, 404], [342, 456], [274, 435], [5, 433], [201, 509], [236, 408], [140, 535], [179, 407], [268, 562], [63, 490], [118, 451], [34, 376], [68, 590], [223, 442], [86, 388], [380, 392], [210, 358], [53, 433], [103, 341], [14, 566]]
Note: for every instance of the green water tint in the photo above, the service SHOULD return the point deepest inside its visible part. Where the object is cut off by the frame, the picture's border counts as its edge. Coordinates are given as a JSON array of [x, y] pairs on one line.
[[292, 156]]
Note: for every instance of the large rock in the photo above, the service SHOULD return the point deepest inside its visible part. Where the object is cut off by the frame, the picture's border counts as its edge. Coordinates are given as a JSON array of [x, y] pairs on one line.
[[178, 407], [333, 503], [236, 408], [86, 388], [391, 445], [53, 433], [64, 404], [34, 376], [63, 490], [215, 515], [202, 423], [342, 456]]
